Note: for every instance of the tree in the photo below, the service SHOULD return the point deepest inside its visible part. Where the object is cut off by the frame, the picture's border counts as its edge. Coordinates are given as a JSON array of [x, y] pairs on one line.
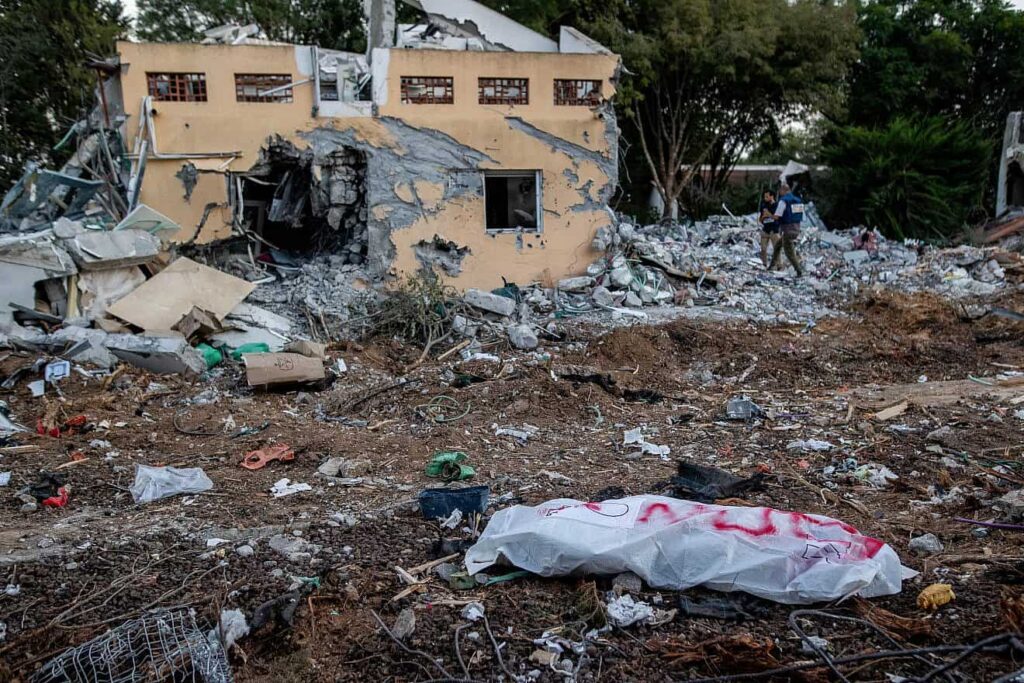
[[708, 78], [331, 24], [44, 84], [911, 178], [956, 58]]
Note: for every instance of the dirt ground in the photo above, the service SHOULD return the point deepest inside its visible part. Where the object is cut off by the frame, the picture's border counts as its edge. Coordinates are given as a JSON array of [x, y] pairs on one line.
[[101, 559]]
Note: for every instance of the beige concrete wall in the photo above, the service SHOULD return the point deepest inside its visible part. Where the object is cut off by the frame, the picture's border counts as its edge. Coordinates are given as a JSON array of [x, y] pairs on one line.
[[224, 125]]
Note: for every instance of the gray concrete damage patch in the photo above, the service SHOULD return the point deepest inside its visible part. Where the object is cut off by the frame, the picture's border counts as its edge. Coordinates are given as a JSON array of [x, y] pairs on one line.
[[422, 154], [442, 253], [188, 174]]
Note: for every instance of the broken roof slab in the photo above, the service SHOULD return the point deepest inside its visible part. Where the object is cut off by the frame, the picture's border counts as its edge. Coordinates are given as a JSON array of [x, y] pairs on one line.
[[492, 26]]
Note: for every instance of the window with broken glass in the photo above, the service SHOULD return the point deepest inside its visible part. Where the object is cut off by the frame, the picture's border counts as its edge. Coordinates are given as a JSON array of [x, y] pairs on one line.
[[512, 201], [428, 90], [504, 90], [577, 92], [177, 87], [263, 87]]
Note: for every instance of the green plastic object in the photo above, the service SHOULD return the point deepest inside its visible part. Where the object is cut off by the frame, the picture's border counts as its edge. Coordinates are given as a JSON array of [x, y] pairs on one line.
[[211, 355], [448, 465], [253, 347]]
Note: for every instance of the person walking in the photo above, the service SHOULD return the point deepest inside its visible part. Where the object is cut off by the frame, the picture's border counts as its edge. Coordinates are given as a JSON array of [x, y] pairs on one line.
[[771, 232], [790, 213]]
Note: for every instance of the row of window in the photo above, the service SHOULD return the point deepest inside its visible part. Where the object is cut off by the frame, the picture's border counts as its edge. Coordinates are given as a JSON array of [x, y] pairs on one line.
[[441, 90], [186, 87], [191, 87]]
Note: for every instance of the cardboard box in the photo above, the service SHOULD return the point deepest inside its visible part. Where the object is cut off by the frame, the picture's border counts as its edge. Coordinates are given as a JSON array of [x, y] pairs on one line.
[[267, 369]]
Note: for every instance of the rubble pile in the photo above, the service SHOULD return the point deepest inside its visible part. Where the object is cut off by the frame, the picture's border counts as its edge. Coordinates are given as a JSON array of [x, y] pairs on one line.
[[714, 263]]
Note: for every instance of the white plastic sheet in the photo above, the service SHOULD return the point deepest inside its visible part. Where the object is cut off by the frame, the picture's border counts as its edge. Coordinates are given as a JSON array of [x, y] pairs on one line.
[[788, 557], [154, 483]]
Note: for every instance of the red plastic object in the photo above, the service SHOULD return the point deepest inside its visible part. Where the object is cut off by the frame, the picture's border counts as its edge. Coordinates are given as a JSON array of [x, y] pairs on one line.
[[70, 426], [58, 501], [256, 460]]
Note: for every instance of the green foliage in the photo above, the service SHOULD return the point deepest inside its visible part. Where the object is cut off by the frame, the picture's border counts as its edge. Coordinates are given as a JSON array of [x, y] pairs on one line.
[[803, 145], [959, 58], [332, 24], [44, 84], [708, 78], [911, 178]]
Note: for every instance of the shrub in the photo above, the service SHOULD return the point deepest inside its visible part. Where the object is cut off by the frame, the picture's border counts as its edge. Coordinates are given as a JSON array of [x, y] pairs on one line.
[[917, 178]]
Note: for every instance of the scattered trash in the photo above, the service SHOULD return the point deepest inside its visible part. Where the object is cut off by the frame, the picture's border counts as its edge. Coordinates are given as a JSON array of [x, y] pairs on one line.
[[449, 465], [285, 487], [742, 409], [231, 628], [625, 611], [453, 520], [273, 369], [726, 608], [57, 370], [257, 460], [935, 596], [520, 435], [763, 546], [706, 484], [5, 478], [877, 475], [474, 612], [37, 387], [154, 483], [809, 445], [440, 503], [48, 490], [813, 645], [251, 347], [634, 437]]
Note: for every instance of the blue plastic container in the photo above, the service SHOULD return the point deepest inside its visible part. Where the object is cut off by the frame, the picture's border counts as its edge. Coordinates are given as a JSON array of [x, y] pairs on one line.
[[440, 503]]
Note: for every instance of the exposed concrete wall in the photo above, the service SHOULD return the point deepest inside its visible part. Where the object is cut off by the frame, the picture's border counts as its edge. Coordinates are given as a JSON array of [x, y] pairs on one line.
[[424, 162]]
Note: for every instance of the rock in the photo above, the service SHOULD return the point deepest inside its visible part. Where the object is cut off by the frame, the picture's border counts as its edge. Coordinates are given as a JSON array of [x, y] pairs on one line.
[[1011, 505], [817, 641], [245, 551], [576, 284], [486, 301], [940, 435], [293, 548], [622, 276], [543, 658], [627, 582], [405, 624], [344, 519], [928, 544], [343, 467], [602, 296], [633, 301], [856, 257], [523, 337], [627, 232]]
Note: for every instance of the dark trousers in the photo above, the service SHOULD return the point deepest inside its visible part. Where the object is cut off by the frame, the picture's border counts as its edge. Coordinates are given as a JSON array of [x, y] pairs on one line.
[[790, 231]]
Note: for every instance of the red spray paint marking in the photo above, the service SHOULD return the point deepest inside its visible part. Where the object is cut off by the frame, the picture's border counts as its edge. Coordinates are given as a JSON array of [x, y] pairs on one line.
[[595, 507], [767, 527]]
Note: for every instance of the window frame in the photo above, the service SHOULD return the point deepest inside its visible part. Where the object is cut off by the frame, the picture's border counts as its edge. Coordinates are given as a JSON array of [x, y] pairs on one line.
[[501, 84], [538, 179], [273, 82], [573, 84], [429, 82], [180, 86]]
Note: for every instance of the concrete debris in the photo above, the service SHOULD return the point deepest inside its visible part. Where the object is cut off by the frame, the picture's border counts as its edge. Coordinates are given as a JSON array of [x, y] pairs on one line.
[[487, 301], [523, 337]]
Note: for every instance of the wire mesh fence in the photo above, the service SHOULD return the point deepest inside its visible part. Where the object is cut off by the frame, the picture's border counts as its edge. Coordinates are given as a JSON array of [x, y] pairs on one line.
[[160, 646]]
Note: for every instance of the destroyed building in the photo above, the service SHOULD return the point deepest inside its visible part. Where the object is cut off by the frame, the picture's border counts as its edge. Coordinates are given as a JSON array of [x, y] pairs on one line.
[[1010, 190], [467, 144]]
